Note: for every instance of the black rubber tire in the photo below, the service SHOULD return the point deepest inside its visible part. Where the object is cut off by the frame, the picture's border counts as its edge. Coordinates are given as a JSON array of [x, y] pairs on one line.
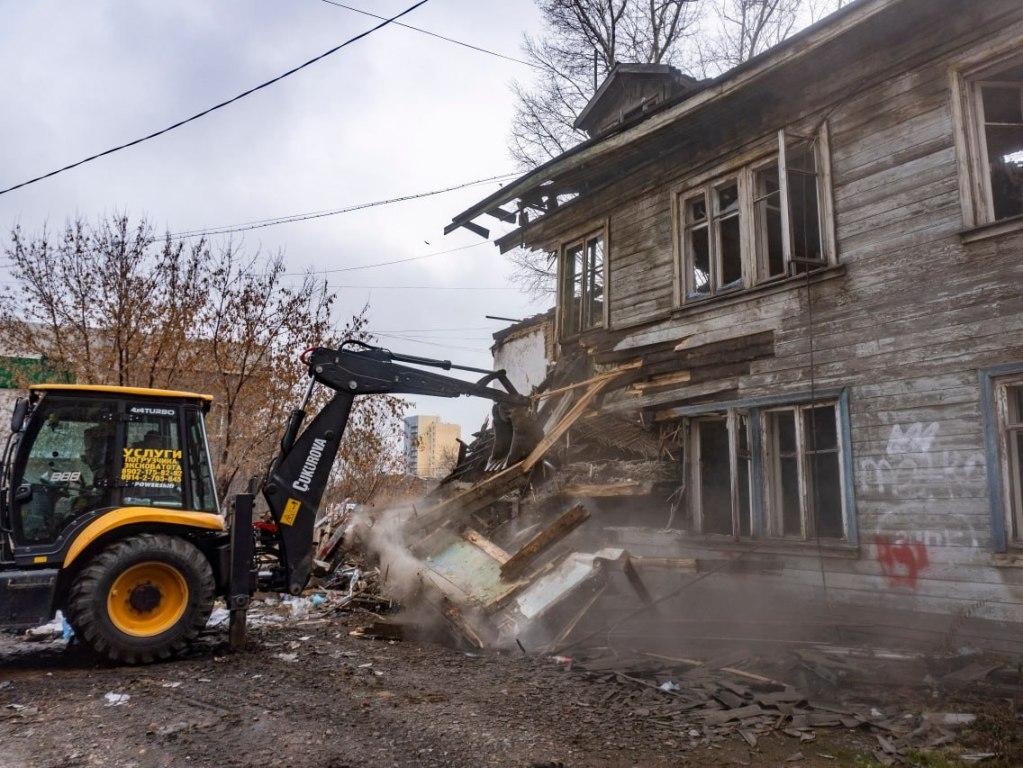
[[87, 599]]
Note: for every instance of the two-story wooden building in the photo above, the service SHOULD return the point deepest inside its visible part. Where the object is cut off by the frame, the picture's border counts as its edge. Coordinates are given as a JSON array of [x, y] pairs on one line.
[[818, 256]]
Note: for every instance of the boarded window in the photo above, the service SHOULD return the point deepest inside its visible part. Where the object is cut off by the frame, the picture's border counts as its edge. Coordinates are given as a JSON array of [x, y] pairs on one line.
[[804, 478]]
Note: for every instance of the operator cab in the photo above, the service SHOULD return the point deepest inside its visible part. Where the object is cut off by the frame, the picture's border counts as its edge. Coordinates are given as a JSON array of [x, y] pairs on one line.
[[80, 451]]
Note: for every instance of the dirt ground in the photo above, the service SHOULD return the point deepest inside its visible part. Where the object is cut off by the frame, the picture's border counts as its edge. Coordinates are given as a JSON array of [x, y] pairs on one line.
[[308, 694]]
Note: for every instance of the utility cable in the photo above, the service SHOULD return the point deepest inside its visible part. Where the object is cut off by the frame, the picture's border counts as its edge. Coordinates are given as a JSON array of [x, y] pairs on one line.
[[437, 35], [221, 105], [226, 229], [319, 272]]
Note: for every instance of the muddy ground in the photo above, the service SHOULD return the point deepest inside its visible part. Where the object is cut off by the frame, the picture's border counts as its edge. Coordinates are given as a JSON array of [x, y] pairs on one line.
[[308, 694]]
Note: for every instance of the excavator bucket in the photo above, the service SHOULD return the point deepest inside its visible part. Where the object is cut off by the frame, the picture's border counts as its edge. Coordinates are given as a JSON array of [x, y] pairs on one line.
[[516, 433]]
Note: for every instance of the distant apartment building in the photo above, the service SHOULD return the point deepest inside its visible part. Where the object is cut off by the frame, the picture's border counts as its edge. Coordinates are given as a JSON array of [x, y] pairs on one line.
[[431, 446]]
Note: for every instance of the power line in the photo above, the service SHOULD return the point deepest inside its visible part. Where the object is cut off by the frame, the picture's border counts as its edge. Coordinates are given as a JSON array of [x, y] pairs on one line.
[[383, 263], [226, 229], [221, 105], [423, 287], [437, 35]]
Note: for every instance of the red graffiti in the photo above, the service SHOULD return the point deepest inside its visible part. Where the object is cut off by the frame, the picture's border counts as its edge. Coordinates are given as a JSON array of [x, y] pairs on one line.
[[901, 561]]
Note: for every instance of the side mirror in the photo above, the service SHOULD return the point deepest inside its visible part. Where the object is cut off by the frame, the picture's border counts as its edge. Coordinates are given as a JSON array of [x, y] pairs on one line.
[[23, 493], [18, 415]]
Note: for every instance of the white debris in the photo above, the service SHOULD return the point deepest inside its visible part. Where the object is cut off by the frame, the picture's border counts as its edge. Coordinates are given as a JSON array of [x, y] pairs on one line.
[[667, 686], [218, 618], [289, 657], [116, 699], [49, 631]]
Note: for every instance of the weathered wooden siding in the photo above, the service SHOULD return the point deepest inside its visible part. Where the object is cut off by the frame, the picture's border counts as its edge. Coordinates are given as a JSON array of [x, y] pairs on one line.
[[905, 325]]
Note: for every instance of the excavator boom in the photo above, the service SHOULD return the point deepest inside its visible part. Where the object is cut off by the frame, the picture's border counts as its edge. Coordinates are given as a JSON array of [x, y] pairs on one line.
[[298, 476]]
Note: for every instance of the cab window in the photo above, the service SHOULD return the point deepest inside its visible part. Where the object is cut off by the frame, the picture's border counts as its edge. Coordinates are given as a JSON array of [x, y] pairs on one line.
[[69, 468], [204, 495], [152, 461]]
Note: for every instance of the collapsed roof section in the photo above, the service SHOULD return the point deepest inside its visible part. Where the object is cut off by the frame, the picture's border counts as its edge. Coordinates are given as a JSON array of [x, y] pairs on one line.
[[686, 114]]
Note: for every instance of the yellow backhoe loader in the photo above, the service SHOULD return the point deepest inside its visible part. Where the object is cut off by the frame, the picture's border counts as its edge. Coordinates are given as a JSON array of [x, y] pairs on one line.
[[109, 511]]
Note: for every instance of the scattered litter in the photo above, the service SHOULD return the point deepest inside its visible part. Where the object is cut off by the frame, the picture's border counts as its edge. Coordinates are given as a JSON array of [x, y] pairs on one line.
[[116, 699], [52, 630], [953, 719], [668, 686], [288, 657], [219, 617], [977, 757]]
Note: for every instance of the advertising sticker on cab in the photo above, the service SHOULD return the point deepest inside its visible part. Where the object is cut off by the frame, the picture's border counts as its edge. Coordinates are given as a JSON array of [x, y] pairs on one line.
[[152, 467]]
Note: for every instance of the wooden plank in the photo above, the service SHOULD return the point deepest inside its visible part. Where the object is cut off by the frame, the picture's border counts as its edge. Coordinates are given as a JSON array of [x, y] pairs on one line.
[[481, 542], [550, 535], [600, 377], [573, 622], [577, 410], [667, 380], [462, 505], [637, 583], [611, 490]]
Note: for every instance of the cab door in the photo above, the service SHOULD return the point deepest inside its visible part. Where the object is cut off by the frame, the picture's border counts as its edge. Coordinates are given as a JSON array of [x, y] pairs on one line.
[[65, 468]]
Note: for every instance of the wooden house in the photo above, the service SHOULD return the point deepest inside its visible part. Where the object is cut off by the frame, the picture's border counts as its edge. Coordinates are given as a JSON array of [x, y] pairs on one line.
[[818, 257]]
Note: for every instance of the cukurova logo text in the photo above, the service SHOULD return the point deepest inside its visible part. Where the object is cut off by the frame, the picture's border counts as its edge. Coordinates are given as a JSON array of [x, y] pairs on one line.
[[305, 476]]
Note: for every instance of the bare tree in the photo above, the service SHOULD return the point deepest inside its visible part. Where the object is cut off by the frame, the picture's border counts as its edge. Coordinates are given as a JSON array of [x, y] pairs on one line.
[[747, 28], [582, 41], [112, 304]]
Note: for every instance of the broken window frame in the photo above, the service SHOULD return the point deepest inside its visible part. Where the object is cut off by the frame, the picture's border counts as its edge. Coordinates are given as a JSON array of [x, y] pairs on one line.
[[741, 520], [753, 233], [755, 411], [575, 319], [712, 224], [1010, 465], [803, 453], [970, 127]]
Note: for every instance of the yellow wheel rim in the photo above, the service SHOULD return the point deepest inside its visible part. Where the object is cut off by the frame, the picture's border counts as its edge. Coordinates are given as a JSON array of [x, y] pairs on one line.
[[147, 599]]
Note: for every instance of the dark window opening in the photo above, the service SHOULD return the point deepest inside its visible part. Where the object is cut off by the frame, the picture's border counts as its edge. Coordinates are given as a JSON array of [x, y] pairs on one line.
[[767, 205], [715, 476], [729, 235], [582, 295], [804, 203], [1002, 99]]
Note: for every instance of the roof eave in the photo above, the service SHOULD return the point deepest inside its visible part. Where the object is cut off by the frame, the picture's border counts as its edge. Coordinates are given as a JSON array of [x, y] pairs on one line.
[[738, 77]]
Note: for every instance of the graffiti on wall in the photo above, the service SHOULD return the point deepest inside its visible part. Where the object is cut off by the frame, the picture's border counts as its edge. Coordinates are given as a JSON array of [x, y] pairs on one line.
[[912, 470], [901, 561]]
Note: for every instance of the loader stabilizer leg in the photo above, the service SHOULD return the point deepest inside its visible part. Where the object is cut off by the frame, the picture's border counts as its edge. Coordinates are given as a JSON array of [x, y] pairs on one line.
[[242, 578]]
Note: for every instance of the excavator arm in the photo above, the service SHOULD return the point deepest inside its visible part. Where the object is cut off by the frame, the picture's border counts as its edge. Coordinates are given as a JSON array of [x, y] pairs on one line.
[[298, 476]]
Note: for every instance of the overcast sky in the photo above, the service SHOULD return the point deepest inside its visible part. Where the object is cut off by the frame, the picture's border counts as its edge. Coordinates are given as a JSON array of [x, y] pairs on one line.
[[396, 113]]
